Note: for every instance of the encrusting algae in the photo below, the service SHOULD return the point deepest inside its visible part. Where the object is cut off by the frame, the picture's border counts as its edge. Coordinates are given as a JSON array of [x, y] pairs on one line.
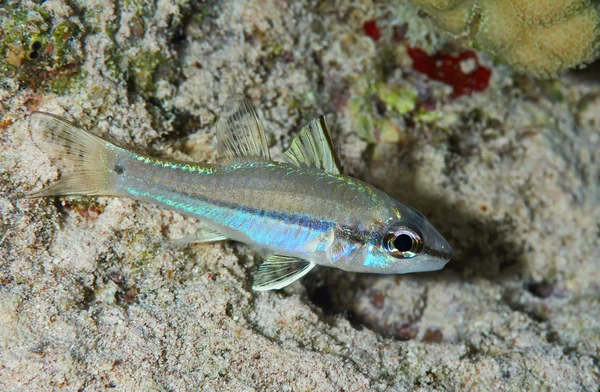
[[542, 37], [40, 46]]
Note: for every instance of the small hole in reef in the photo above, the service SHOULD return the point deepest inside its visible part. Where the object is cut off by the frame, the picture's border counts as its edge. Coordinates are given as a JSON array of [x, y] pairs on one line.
[[321, 296], [37, 45], [34, 55]]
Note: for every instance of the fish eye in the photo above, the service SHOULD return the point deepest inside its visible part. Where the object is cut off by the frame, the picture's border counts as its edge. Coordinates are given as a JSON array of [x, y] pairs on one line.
[[403, 243]]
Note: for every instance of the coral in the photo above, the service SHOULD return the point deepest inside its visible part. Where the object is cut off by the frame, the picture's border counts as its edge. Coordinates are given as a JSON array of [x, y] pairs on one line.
[[543, 37], [462, 72], [372, 30], [394, 100]]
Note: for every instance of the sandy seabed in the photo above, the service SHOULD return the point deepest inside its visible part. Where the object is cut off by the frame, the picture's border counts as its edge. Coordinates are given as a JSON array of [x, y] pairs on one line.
[[91, 300]]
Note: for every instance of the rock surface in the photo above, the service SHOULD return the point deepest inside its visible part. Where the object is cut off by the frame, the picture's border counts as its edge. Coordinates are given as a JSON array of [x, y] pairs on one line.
[[91, 300]]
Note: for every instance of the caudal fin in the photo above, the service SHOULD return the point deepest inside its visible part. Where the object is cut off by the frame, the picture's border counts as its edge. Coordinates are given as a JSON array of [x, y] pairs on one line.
[[85, 160]]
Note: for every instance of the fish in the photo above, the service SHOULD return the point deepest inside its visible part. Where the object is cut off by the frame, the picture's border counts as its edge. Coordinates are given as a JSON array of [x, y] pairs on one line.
[[302, 212]]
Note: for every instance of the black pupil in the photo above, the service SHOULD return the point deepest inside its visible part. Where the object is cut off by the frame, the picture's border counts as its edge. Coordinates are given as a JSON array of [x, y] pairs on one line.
[[403, 243]]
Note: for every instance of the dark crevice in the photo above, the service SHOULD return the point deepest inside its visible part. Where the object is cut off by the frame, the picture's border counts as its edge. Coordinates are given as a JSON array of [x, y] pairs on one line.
[[589, 72], [321, 297], [540, 289], [89, 297]]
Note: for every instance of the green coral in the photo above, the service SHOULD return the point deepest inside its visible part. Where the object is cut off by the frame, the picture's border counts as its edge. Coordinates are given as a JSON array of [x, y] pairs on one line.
[[64, 83], [144, 70], [37, 48], [61, 36], [402, 100], [130, 59], [369, 98], [426, 116]]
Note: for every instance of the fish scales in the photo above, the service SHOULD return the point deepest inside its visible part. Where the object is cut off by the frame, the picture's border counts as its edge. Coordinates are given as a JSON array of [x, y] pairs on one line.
[[280, 205]]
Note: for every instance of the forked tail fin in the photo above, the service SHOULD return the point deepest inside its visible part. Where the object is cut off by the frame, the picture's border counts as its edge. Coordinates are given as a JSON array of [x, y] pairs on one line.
[[86, 162]]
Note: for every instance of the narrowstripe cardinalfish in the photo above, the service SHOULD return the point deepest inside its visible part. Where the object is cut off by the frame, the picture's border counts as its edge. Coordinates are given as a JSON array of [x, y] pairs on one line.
[[303, 212]]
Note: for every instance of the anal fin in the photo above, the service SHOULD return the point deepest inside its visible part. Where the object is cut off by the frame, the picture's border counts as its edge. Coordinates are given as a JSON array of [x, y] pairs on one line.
[[202, 235], [279, 271]]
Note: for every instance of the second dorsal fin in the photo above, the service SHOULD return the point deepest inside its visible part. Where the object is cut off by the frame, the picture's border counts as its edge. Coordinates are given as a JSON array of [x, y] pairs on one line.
[[313, 147], [239, 133]]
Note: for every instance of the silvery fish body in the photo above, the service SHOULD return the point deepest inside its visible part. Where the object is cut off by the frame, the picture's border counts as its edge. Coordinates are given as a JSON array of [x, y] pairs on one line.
[[303, 212]]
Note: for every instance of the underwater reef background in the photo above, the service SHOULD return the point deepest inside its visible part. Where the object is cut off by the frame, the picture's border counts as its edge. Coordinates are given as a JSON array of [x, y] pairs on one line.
[[504, 164]]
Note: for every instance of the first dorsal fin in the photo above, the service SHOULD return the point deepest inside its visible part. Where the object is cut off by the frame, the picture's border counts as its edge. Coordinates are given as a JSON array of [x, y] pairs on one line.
[[313, 147], [239, 133]]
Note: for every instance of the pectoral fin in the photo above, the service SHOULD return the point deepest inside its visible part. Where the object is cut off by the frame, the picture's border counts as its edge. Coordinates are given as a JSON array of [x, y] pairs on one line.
[[203, 234], [279, 271], [239, 133], [313, 147]]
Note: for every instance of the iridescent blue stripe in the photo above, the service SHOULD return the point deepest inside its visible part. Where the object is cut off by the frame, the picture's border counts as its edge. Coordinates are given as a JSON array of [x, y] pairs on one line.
[[274, 229]]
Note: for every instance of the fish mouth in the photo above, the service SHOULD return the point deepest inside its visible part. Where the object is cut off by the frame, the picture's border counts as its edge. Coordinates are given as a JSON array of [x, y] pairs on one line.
[[438, 255], [438, 248], [444, 251], [443, 255]]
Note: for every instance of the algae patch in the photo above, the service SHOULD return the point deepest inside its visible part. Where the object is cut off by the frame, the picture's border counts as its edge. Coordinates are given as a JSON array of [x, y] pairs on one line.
[[378, 110], [39, 48]]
